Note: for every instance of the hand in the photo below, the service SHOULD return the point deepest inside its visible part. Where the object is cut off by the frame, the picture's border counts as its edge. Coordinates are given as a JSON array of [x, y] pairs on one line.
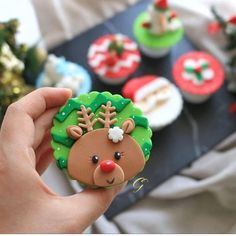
[[27, 204]]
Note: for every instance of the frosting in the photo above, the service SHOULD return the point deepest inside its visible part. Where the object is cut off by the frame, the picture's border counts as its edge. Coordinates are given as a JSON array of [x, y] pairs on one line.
[[161, 19], [115, 134], [148, 92], [198, 71], [114, 56], [203, 76], [160, 101], [61, 73]]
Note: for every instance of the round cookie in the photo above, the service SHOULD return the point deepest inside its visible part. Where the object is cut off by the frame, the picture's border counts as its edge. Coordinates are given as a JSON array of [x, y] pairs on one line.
[[159, 99], [114, 58], [101, 139], [58, 72], [157, 29]]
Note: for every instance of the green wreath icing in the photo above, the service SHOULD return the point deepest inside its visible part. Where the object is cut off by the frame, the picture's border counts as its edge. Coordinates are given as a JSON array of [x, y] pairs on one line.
[[147, 39], [67, 116]]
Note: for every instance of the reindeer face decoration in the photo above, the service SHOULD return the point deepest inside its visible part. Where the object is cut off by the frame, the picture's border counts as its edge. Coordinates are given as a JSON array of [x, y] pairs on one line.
[[107, 156]]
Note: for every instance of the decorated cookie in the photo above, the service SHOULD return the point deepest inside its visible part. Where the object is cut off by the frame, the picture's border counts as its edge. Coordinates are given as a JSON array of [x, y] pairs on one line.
[[158, 29], [101, 139], [113, 58], [198, 75], [159, 99], [61, 73]]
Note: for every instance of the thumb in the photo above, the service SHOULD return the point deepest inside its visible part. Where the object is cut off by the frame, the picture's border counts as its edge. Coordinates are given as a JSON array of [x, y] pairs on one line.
[[87, 206]]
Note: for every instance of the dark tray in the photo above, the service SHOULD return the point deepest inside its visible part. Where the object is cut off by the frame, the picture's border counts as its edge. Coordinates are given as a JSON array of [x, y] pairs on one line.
[[197, 130]]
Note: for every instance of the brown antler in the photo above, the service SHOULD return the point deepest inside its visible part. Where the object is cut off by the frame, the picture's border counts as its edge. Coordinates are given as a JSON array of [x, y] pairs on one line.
[[86, 118], [108, 114]]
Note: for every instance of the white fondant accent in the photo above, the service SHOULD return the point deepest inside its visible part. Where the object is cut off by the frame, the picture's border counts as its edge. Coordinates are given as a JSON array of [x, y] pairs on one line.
[[53, 78], [97, 60], [115, 134], [168, 112], [103, 47], [128, 62], [157, 25], [207, 74], [102, 71], [70, 82], [150, 88], [95, 48], [132, 46], [175, 25], [120, 37]]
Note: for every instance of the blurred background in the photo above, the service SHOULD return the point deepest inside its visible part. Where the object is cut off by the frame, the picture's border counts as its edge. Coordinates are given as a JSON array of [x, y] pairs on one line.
[[201, 198]]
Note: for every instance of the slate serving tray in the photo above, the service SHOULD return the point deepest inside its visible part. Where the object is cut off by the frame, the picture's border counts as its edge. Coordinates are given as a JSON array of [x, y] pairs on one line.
[[197, 130]]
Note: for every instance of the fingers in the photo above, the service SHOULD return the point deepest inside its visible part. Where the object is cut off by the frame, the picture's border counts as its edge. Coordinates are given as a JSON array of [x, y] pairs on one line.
[[44, 161], [37, 102], [43, 125], [88, 205], [18, 124]]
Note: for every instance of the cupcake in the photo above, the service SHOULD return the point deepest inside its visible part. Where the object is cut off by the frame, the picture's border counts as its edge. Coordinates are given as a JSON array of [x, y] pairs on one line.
[[114, 58], [100, 139], [160, 100], [198, 75], [64, 74], [157, 29]]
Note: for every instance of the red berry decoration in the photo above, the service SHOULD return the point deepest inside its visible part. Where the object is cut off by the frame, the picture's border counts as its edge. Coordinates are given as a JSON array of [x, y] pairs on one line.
[[107, 166], [162, 4], [111, 59]]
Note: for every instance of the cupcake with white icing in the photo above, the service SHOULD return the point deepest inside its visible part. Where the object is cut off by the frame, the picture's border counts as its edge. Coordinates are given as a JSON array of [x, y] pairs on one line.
[[114, 58], [157, 97], [58, 72]]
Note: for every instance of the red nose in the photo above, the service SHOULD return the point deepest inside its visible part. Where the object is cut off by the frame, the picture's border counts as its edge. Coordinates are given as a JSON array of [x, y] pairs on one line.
[[107, 166]]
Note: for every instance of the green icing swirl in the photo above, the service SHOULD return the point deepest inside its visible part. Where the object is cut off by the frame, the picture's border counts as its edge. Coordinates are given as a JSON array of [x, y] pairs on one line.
[[140, 121], [74, 104], [146, 147], [62, 163]]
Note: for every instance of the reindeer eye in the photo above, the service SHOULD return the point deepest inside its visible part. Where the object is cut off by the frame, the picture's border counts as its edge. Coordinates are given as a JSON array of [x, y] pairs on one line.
[[95, 159], [117, 155]]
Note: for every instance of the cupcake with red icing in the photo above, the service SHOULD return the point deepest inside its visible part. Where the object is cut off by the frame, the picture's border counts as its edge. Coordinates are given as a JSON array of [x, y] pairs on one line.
[[198, 75], [114, 58], [158, 98]]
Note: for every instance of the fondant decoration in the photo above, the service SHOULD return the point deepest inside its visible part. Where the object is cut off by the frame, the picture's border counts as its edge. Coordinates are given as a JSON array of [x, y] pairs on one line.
[[207, 76], [198, 71], [161, 19], [160, 100], [114, 57], [61, 73], [107, 146], [115, 134], [158, 29]]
